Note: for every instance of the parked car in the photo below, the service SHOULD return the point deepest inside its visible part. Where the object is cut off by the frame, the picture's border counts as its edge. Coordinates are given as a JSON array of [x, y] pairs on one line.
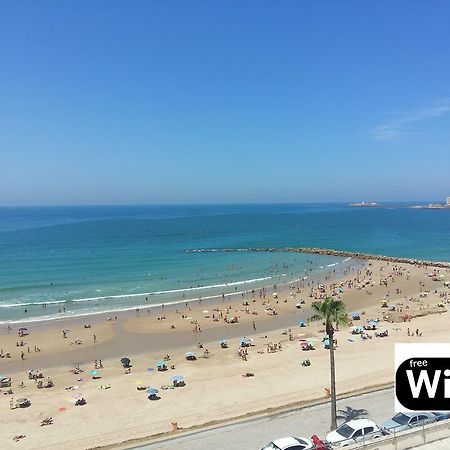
[[406, 420], [442, 415], [354, 431], [289, 443]]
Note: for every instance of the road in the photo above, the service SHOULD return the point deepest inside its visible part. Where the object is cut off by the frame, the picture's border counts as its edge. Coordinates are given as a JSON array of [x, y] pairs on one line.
[[253, 434]]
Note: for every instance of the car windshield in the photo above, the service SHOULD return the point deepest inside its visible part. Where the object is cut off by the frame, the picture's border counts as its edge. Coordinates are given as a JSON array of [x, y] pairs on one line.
[[270, 446], [345, 430], [401, 418]]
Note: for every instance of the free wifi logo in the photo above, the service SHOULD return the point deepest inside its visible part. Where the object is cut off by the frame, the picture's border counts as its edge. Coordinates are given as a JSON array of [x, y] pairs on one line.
[[422, 377]]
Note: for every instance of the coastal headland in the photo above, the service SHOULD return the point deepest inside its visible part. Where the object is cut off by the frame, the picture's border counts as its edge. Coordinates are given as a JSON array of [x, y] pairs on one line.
[[407, 300]]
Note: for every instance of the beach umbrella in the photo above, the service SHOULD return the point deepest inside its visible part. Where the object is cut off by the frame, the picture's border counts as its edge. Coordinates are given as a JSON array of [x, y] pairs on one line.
[[223, 341], [244, 341], [189, 354], [373, 322], [205, 311], [177, 378], [23, 329], [152, 391], [160, 363], [301, 323], [125, 361], [93, 372]]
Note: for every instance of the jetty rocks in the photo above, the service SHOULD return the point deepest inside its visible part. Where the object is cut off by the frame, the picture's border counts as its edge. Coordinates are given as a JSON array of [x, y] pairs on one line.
[[331, 252]]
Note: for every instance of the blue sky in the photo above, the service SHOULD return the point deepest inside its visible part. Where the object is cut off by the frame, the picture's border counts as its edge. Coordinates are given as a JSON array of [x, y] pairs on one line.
[[237, 101]]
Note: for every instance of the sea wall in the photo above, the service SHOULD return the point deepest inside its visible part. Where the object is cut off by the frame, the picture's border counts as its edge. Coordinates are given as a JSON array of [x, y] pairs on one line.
[[414, 438], [332, 252]]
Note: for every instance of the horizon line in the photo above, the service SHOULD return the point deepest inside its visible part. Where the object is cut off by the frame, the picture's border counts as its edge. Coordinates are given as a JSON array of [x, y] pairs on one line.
[[230, 203]]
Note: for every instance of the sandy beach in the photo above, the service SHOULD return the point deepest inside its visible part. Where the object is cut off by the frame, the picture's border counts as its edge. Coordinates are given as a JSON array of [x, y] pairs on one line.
[[215, 386]]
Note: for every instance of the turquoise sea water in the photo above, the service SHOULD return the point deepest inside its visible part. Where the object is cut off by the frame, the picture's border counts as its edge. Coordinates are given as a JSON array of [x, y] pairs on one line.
[[87, 259]]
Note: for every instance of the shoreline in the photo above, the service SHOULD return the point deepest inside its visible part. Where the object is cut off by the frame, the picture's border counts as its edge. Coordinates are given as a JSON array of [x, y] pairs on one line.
[[175, 339], [60, 317], [214, 299]]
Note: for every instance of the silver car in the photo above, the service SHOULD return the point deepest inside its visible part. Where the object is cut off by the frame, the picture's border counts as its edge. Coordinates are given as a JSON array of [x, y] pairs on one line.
[[406, 420]]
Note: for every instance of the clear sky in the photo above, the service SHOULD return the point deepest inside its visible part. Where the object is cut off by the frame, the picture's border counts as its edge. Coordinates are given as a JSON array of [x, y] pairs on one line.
[[224, 101]]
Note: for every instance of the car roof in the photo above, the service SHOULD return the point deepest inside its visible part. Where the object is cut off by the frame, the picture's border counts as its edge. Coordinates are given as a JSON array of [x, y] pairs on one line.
[[360, 423], [415, 413], [286, 441]]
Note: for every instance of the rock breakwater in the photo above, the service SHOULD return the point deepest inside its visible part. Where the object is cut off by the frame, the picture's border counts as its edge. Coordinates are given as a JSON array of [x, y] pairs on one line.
[[331, 252]]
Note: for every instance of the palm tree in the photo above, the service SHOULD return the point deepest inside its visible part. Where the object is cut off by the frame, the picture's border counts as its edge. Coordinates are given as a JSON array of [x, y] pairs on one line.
[[333, 313]]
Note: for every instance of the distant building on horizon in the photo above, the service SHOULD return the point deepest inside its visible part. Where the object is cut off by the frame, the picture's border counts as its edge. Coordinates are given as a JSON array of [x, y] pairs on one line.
[[448, 201]]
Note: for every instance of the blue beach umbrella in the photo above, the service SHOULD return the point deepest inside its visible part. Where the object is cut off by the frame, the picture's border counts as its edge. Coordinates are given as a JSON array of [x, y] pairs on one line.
[[373, 323], [160, 363], [93, 372], [152, 391], [177, 378], [189, 354], [301, 323], [223, 341], [244, 341]]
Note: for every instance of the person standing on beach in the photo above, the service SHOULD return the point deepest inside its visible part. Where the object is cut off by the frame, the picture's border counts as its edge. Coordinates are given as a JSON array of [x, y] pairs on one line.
[[254, 326], [95, 338]]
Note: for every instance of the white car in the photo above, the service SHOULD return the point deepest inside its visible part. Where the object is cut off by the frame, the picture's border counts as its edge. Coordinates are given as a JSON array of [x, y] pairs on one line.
[[289, 443], [354, 431]]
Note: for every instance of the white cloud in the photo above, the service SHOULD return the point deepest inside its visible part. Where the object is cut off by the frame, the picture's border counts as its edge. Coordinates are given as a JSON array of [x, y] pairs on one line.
[[397, 126]]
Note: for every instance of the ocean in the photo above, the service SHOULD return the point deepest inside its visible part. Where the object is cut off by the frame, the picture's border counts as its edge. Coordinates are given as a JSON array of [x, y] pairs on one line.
[[76, 260]]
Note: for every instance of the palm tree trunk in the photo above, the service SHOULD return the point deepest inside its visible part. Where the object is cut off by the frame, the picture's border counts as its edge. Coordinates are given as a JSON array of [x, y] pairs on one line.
[[333, 425]]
